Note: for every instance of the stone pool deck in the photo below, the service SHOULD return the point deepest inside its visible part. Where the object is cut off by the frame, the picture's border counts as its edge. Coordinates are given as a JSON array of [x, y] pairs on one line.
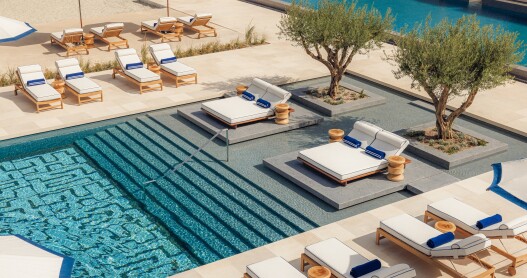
[[359, 232]]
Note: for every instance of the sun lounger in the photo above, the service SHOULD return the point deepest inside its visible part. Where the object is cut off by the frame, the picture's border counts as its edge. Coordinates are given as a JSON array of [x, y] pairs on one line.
[[33, 85], [198, 23], [466, 217], [111, 35], [275, 267], [170, 66], [131, 68], [235, 111], [70, 39], [412, 235], [341, 259], [163, 27], [344, 163], [82, 87]]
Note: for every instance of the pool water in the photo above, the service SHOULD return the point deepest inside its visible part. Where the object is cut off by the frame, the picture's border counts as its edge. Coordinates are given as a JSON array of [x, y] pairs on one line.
[[408, 12]]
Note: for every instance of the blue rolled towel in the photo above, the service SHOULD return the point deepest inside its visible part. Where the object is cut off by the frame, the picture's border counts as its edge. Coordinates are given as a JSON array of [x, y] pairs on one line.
[[248, 96], [134, 66], [440, 240], [375, 152], [352, 141], [365, 268], [36, 82], [489, 221], [168, 60], [263, 103], [74, 75]]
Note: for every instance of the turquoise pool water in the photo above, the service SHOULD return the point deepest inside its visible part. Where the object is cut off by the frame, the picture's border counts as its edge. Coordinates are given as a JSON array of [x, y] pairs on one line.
[[408, 12]]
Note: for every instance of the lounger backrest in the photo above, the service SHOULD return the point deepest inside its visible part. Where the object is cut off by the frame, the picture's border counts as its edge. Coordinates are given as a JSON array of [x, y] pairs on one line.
[[364, 132], [127, 56], [411, 231], [389, 143], [165, 23], [113, 29], [461, 214], [161, 51], [68, 66], [258, 87], [28, 73], [276, 95], [201, 19], [72, 35]]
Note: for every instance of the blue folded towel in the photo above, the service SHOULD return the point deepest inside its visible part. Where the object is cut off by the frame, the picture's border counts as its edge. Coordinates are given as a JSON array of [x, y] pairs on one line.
[[155, 24], [263, 103], [134, 66], [352, 141], [168, 60], [74, 75], [489, 221], [365, 268], [375, 152], [440, 240], [248, 96], [35, 82]]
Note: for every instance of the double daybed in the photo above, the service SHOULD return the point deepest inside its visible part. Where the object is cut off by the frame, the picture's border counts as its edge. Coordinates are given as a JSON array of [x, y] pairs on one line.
[[364, 151]]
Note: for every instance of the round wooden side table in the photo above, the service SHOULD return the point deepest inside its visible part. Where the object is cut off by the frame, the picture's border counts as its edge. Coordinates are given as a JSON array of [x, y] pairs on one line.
[[240, 89], [89, 39], [282, 114], [155, 69], [59, 85], [445, 226], [318, 272], [178, 28], [396, 166], [335, 135]]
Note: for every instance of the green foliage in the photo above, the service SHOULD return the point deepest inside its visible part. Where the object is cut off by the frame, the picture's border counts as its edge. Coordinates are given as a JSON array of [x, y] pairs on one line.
[[455, 59], [334, 32]]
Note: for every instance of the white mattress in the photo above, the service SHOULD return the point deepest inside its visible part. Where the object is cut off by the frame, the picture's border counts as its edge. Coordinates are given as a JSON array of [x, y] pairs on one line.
[[185, 20], [97, 30], [466, 217], [236, 109], [43, 92], [416, 233], [142, 75], [275, 267], [178, 69], [83, 85], [57, 35], [342, 161]]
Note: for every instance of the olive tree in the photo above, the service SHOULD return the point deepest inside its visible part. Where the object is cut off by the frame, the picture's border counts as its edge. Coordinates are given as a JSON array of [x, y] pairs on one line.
[[455, 60], [333, 32]]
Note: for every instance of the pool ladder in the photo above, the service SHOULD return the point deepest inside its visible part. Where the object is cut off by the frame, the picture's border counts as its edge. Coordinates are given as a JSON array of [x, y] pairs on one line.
[[189, 158]]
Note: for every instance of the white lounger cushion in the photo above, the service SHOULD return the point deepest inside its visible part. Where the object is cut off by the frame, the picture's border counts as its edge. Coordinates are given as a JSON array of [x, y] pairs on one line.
[[389, 143], [341, 258], [178, 69], [275, 267], [38, 92], [59, 35], [162, 51], [129, 56], [100, 30], [364, 132], [187, 20], [152, 24], [236, 110], [80, 85], [466, 217], [342, 161], [416, 233]]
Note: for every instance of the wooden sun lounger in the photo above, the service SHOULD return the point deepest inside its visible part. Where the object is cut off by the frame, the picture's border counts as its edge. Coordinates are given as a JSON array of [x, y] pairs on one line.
[[181, 80], [165, 30], [73, 43], [516, 260], [112, 33], [143, 86], [40, 105], [489, 269], [203, 23]]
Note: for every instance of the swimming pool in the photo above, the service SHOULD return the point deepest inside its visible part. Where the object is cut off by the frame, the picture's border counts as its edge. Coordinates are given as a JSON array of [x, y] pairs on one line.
[[87, 199], [408, 12]]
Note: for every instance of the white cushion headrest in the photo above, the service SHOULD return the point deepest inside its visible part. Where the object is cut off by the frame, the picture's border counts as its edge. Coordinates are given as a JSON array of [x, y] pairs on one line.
[[125, 52], [167, 19], [67, 63], [160, 46], [367, 128], [29, 69], [391, 138], [72, 31], [114, 25], [199, 15], [260, 83]]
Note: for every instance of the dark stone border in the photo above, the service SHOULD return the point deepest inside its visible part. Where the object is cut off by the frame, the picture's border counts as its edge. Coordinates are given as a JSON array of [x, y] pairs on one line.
[[449, 161], [329, 110]]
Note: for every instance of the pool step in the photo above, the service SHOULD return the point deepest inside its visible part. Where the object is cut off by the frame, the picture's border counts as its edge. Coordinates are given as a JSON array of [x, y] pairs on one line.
[[212, 210]]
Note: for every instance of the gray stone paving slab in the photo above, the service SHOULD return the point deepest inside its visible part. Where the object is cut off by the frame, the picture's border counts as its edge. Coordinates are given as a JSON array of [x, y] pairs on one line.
[[300, 118], [356, 192], [430, 183]]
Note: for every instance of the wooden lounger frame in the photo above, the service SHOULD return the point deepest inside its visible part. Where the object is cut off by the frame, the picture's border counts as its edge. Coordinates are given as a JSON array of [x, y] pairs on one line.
[[40, 105], [181, 80], [489, 269], [112, 33], [516, 260], [87, 97], [167, 27], [73, 43], [203, 22], [143, 86]]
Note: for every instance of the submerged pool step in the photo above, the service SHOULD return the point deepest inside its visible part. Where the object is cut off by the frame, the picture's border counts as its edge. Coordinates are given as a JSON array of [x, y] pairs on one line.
[[208, 207]]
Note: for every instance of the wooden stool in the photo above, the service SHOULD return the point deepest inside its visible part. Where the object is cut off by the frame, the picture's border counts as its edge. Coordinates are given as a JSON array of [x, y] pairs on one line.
[[335, 135], [445, 226], [155, 69], [318, 272], [240, 89], [58, 84], [282, 112], [396, 166], [178, 28], [89, 39]]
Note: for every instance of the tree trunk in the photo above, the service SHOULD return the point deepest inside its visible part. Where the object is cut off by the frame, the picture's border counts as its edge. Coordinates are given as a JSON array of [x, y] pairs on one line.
[[334, 84], [444, 128]]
